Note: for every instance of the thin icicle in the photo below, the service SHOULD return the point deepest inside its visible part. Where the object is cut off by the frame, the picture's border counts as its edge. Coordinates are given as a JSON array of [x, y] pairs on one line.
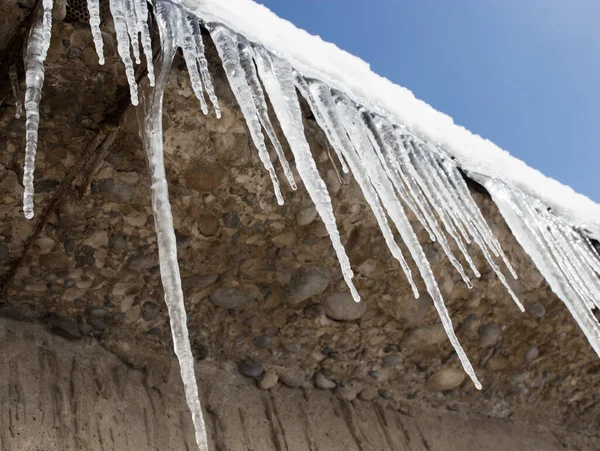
[[118, 11], [14, 81], [226, 43], [278, 79], [424, 178], [323, 107], [396, 157], [420, 192], [150, 120], [203, 64], [394, 209], [141, 10], [37, 49], [247, 58], [187, 42], [94, 11], [326, 125], [133, 28], [464, 194], [460, 212], [388, 164]]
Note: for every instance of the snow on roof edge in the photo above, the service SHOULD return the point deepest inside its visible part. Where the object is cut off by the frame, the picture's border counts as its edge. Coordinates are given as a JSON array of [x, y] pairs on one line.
[[313, 57]]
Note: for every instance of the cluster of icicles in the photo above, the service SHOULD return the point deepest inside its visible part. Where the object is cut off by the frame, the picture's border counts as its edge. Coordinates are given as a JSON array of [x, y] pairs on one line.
[[394, 168]]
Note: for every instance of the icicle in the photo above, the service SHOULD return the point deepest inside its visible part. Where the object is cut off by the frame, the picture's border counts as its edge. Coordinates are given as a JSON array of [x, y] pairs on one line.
[[278, 79], [323, 107], [226, 43], [388, 165], [464, 194], [418, 190], [396, 156], [186, 41], [14, 81], [94, 11], [370, 162], [150, 121], [422, 177], [203, 64], [141, 10], [541, 236], [133, 28], [435, 196], [462, 214], [118, 11], [37, 49], [247, 61], [327, 126]]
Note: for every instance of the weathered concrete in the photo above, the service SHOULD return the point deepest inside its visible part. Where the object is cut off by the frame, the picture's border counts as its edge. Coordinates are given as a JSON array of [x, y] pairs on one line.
[[62, 395]]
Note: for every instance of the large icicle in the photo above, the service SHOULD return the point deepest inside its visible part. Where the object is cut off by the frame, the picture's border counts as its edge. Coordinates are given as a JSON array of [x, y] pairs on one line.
[[226, 42], [566, 263], [357, 133], [150, 121], [37, 50], [278, 79], [323, 107], [94, 12]]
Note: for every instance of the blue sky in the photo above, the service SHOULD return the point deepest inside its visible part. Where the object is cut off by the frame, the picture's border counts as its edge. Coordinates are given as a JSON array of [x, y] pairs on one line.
[[523, 73]]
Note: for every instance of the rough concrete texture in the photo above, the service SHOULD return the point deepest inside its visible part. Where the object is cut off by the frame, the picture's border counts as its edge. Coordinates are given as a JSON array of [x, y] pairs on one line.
[[62, 395], [261, 282]]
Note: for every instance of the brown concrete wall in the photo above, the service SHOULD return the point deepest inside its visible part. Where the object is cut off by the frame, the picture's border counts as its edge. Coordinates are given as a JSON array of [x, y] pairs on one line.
[[62, 395]]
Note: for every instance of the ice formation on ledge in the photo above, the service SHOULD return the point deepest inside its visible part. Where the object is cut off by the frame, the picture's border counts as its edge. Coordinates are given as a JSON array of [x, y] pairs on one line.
[[395, 167], [564, 255]]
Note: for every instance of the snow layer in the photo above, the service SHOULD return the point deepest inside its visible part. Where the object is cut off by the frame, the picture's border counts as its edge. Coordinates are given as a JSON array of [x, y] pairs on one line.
[[313, 57]]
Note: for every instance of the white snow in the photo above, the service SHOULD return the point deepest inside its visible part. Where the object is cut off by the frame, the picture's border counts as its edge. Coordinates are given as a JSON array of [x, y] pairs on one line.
[[313, 57]]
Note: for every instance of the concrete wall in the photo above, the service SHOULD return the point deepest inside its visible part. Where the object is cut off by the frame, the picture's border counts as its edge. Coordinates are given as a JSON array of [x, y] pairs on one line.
[[61, 395]]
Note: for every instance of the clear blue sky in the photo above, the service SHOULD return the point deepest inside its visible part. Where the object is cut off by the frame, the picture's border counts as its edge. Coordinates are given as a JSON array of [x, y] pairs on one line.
[[523, 73]]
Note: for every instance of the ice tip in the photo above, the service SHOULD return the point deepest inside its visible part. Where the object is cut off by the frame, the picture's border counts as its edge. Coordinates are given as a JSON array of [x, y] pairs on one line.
[[28, 214]]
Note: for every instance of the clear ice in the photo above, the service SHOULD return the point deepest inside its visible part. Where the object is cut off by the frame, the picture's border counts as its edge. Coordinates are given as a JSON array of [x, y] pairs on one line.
[[14, 81], [564, 256], [150, 122], [394, 167], [37, 50], [94, 12]]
